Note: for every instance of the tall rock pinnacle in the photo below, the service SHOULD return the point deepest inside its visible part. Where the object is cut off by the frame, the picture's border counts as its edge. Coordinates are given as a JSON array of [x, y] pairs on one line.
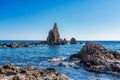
[[54, 37]]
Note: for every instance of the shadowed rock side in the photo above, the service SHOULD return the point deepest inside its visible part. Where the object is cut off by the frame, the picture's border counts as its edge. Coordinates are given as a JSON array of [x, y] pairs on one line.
[[73, 41], [10, 72], [96, 58], [54, 37]]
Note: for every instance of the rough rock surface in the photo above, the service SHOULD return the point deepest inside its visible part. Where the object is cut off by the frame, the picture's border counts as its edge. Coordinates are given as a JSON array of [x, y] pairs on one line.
[[54, 37], [64, 62], [10, 72], [73, 41], [96, 58]]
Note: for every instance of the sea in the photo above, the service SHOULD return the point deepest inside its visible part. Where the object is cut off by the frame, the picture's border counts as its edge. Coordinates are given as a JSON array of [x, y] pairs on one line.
[[38, 56]]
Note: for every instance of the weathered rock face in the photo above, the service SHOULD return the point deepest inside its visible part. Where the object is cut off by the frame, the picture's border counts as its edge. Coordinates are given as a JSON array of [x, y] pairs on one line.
[[73, 41], [54, 37], [10, 72], [95, 57]]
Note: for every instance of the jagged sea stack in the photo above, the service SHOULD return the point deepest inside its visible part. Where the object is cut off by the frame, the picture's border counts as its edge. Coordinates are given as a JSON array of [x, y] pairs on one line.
[[54, 37]]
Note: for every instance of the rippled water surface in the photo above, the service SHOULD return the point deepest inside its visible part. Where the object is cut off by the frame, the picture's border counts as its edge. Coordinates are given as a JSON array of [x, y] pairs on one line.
[[37, 56]]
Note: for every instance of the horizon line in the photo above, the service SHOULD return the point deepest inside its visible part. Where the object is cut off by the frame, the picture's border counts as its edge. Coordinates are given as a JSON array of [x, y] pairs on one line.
[[67, 40]]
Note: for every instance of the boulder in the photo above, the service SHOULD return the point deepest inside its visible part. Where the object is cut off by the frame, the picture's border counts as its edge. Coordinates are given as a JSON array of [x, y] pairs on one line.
[[73, 41], [13, 45], [54, 36], [94, 57], [64, 41], [10, 67]]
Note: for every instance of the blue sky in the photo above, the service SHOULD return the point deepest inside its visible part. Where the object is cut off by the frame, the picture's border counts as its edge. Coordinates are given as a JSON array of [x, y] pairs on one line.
[[82, 19]]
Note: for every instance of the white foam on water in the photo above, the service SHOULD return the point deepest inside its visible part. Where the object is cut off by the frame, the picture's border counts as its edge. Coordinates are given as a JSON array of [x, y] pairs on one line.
[[57, 59]]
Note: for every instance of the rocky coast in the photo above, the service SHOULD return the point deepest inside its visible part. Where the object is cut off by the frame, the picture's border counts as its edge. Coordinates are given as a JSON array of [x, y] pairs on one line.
[[94, 58], [10, 72], [22, 44]]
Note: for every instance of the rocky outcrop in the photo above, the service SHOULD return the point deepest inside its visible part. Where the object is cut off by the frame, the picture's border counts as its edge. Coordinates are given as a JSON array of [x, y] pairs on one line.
[[64, 41], [54, 37], [10, 72], [73, 41], [22, 44], [63, 62], [94, 57]]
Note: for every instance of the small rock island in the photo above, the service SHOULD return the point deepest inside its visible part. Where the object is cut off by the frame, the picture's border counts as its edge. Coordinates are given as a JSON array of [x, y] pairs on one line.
[[94, 57], [54, 37], [73, 41]]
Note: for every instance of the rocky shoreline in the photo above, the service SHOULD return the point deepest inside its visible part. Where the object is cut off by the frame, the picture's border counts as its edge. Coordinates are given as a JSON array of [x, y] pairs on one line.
[[94, 58], [22, 44], [10, 72]]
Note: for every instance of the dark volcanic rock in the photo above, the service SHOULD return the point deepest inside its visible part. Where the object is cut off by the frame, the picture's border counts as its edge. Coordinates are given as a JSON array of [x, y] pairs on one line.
[[95, 57], [73, 41], [54, 37], [10, 72]]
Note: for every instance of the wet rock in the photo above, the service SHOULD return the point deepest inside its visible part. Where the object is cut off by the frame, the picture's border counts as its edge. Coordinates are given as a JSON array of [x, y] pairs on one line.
[[28, 73], [54, 37], [94, 57], [64, 62], [10, 67], [73, 41], [115, 66], [51, 69]]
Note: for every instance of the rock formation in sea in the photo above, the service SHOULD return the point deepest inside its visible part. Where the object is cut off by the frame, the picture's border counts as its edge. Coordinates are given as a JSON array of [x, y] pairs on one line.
[[94, 57], [73, 41], [10, 72], [22, 44], [54, 37]]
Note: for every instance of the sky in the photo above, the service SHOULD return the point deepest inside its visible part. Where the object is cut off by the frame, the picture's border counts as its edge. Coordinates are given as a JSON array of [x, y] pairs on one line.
[[82, 19]]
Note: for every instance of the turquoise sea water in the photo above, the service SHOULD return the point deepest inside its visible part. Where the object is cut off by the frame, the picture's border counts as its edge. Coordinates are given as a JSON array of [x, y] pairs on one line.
[[37, 56]]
